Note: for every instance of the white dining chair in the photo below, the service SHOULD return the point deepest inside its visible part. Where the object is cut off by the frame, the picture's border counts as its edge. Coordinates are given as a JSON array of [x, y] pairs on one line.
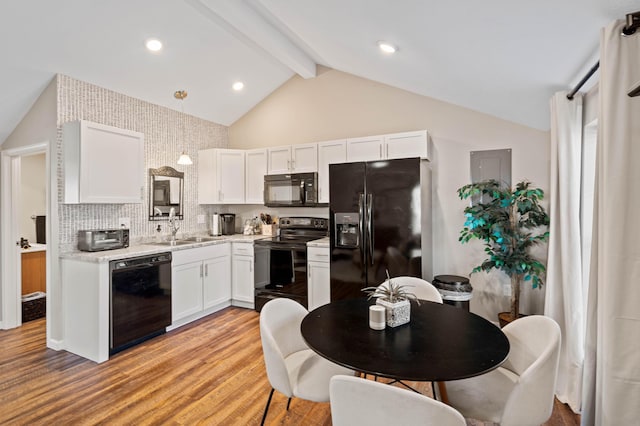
[[521, 391], [356, 401], [292, 368], [423, 290]]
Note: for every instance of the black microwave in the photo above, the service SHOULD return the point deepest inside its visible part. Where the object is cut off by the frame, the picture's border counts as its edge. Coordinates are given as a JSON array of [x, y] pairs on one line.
[[291, 190]]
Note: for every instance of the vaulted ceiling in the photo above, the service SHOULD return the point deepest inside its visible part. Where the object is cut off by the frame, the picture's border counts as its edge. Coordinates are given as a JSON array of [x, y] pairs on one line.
[[499, 57]]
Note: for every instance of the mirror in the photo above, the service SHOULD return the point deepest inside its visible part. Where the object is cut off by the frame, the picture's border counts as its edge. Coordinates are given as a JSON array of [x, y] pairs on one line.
[[166, 187]]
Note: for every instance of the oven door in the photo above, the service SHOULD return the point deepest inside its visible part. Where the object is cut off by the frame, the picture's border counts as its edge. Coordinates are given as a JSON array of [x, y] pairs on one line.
[[287, 276]]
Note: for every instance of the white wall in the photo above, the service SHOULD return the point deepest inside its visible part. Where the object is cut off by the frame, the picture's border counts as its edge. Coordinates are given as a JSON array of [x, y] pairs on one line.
[[38, 126], [337, 105], [33, 193]]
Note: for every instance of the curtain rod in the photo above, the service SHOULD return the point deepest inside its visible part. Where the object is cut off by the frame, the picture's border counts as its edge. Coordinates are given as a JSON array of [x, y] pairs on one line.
[[633, 23]]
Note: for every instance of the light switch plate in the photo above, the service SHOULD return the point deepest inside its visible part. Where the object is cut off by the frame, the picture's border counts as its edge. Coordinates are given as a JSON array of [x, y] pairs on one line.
[[506, 290], [200, 219], [124, 222]]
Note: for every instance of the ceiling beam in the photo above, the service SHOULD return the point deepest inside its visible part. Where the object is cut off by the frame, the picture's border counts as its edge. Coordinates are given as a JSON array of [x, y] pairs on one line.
[[244, 22]]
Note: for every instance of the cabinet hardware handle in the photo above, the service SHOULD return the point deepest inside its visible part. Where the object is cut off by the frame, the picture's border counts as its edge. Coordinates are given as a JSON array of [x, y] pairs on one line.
[[293, 164], [206, 270], [200, 271], [309, 273], [387, 151], [288, 164], [380, 150]]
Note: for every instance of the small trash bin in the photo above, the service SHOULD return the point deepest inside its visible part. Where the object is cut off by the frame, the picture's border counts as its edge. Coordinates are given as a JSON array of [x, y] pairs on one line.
[[455, 290]]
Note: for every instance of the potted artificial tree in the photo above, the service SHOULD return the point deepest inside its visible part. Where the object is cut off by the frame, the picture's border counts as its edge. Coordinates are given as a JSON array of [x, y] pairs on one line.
[[509, 222]]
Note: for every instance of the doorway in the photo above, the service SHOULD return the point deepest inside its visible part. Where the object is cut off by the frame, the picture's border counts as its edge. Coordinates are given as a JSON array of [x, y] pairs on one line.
[[13, 162]]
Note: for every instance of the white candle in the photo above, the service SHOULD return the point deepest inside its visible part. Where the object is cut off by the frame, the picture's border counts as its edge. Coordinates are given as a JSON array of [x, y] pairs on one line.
[[377, 317]]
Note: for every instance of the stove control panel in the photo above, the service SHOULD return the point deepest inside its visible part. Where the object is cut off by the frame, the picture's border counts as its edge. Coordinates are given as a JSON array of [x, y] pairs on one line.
[[304, 222]]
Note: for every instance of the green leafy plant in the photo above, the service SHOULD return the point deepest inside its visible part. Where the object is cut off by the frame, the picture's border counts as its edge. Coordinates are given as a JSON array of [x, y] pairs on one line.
[[509, 222], [390, 292]]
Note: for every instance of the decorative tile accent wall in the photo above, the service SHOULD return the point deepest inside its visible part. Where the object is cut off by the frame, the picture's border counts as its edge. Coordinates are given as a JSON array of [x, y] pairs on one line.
[[166, 134]]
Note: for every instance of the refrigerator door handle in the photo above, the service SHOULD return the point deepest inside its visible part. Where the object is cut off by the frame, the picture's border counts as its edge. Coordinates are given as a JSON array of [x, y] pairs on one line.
[[370, 225], [361, 220]]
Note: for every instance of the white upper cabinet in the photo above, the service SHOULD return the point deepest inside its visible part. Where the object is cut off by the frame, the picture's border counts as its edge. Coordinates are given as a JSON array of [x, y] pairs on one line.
[[407, 145], [102, 164], [329, 152], [255, 169], [365, 149], [391, 146], [301, 158], [221, 176]]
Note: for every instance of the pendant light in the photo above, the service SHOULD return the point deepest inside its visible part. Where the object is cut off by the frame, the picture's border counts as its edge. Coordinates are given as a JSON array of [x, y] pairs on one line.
[[184, 159]]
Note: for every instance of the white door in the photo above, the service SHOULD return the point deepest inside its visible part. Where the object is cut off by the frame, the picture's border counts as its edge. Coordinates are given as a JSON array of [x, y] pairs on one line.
[[365, 149], [230, 175], [406, 145], [186, 290], [319, 286], [304, 158], [330, 152], [279, 160], [242, 279], [217, 281], [255, 169]]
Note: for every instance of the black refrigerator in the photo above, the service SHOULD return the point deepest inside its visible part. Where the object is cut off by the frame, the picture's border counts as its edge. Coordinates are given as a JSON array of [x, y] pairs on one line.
[[380, 220]]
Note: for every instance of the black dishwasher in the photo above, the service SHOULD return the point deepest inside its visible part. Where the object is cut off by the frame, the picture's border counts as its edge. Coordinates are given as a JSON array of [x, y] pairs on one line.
[[140, 306]]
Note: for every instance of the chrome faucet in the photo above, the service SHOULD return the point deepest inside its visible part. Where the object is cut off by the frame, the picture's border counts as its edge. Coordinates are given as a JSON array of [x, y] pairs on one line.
[[173, 227]]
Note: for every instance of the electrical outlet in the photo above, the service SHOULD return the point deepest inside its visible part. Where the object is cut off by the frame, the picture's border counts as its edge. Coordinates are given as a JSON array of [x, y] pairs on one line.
[[506, 290], [124, 222], [200, 219]]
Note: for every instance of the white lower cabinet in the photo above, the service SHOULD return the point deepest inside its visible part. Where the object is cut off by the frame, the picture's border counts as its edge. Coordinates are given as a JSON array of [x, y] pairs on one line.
[[319, 278], [242, 276], [200, 281]]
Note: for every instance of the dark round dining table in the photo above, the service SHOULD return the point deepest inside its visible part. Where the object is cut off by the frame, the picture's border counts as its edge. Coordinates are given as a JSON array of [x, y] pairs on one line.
[[440, 343]]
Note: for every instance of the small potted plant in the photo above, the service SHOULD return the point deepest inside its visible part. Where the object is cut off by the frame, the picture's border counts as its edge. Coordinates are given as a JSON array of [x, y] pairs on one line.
[[509, 222], [395, 299]]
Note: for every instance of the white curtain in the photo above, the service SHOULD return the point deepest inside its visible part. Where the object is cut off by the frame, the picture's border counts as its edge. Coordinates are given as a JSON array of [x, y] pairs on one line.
[[564, 298], [612, 359]]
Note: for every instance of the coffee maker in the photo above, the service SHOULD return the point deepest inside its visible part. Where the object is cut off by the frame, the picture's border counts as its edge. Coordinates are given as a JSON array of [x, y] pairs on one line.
[[227, 223]]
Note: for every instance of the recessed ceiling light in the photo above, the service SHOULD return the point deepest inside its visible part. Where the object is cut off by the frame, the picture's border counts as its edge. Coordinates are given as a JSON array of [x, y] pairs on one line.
[[238, 85], [387, 47], [154, 45]]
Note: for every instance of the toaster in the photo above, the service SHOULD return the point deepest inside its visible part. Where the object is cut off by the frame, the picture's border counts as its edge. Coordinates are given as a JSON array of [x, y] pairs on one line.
[[102, 239]]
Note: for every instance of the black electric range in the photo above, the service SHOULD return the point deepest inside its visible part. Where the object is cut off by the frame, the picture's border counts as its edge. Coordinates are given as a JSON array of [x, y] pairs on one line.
[[287, 252]]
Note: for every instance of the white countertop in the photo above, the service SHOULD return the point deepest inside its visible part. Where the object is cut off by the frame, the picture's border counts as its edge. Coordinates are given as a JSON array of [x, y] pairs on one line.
[[141, 249], [35, 247], [323, 242]]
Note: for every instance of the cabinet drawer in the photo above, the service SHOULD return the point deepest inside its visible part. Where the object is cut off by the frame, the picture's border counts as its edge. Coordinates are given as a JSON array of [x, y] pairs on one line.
[[318, 254], [242, 249], [200, 253]]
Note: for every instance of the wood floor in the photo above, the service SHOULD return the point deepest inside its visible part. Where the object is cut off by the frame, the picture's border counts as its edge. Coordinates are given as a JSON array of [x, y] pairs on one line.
[[209, 372]]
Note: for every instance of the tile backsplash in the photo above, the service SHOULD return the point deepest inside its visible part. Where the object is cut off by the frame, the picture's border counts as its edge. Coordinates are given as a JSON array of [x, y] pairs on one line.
[[167, 133]]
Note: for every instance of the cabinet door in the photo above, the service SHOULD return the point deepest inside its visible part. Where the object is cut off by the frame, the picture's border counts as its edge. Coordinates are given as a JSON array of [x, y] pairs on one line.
[[255, 169], [242, 279], [217, 281], [304, 158], [279, 160], [103, 164], [186, 290], [230, 175], [329, 152], [207, 183], [406, 145], [319, 286], [365, 149]]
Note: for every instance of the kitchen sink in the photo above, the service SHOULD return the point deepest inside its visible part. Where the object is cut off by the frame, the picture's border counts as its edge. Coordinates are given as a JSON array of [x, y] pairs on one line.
[[200, 239], [184, 241], [171, 243]]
